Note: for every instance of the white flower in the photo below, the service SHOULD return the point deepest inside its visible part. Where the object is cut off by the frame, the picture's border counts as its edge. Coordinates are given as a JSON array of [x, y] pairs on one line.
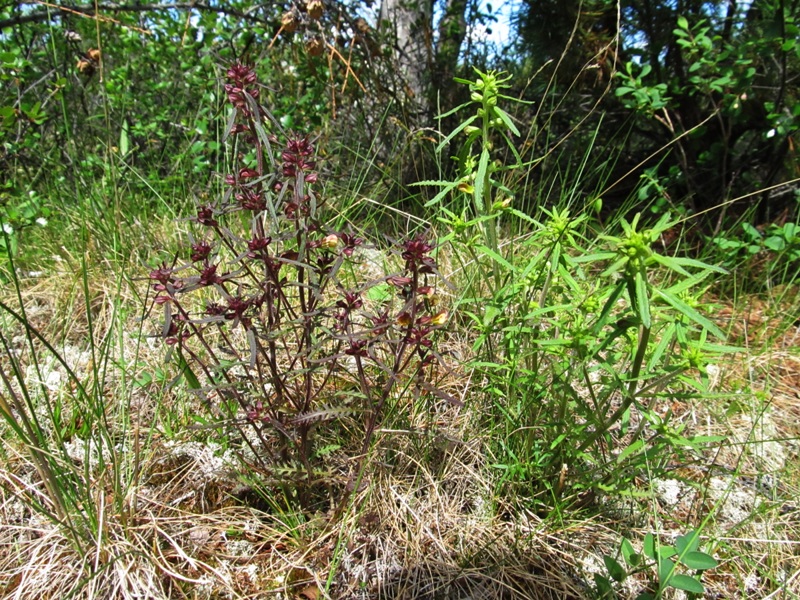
[[41, 221], [8, 228]]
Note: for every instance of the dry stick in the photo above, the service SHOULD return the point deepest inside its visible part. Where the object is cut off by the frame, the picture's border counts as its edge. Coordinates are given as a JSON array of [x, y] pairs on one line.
[[277, 35], [349, 70], [348, 62], [333, 90], [85, 13], [742, 197], [92, 12]]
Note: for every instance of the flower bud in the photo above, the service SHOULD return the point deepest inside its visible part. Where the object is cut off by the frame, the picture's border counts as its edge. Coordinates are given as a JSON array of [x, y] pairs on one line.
[[329, 242], [501, 205]]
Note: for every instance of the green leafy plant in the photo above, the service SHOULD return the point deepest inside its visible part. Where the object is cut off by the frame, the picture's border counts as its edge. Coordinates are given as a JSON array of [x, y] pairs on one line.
[[480, 180], [636, 94], [773, 250], [575, 341], [679, 566], [16, 215], [574, 334]]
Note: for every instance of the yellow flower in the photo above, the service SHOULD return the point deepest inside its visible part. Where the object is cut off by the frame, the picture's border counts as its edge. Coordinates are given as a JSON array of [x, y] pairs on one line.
[[439, 318]]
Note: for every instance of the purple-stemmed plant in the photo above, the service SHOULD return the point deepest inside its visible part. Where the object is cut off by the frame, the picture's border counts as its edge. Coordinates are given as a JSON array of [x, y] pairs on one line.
[[267, 308]]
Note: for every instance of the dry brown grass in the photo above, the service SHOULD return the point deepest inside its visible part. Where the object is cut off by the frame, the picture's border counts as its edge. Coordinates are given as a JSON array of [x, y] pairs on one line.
[[426, 525]]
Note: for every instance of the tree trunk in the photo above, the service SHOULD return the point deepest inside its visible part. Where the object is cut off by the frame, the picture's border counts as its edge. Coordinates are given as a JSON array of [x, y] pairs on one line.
[[452, 30], [408, 26]]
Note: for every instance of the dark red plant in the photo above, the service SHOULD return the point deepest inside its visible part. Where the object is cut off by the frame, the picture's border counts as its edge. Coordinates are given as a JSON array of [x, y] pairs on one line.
[[268, 319]]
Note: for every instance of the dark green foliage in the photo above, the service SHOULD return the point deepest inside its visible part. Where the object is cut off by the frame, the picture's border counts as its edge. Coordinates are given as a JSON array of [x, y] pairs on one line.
[[705, 86]]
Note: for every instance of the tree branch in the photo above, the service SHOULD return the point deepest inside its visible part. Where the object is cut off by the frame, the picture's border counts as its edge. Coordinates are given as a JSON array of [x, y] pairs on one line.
[[89, 11]]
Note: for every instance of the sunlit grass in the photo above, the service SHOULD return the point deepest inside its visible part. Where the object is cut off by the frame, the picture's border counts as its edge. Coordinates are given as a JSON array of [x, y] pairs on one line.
[[164, 508]]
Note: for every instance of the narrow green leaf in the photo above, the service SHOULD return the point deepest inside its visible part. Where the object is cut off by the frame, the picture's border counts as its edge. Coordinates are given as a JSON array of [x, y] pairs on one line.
[[460, 106], [608, 307], [446, 189], [437, 182], [722, 349], [691, 262], [523, 216], [506, 119], [569, 280], [513, 147], [534, 314], [455, 131], [690, 313], [188, 374], [698, 440], [687, 584], [483, 166], [642, 299], [496, 257], [597, 257], [615, 267], [229, 124], [663, 343], [699, 561], [634, 447], [687, 283]]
